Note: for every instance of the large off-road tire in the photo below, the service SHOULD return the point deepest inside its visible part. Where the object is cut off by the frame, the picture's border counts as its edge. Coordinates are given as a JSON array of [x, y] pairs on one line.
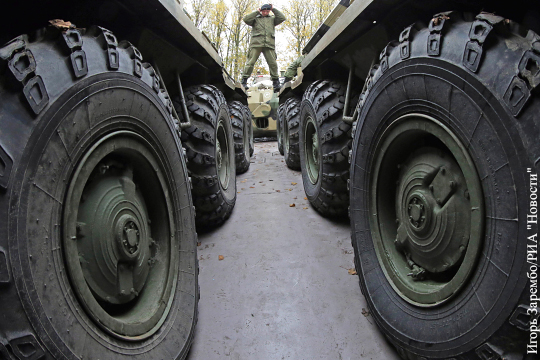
[[247, 114], [444, 159], [325, 141], [97, 238], [209, 145], [280, 125], [291, 127], [241, 134]]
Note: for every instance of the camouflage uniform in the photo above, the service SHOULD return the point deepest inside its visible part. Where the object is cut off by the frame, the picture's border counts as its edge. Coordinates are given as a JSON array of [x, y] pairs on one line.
[[263, 40], [292, 69]]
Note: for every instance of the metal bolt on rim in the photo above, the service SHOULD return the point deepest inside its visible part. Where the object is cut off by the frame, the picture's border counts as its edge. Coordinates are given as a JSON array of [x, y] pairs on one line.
[[125, 285], [427, 226]]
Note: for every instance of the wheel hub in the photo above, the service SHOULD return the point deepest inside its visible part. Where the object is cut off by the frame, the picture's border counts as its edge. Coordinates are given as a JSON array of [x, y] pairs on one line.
[[434, 214], [315, 150], [219, 155], [417, 212], [311, 150], [223, 160], [127, 236], [113, 238]]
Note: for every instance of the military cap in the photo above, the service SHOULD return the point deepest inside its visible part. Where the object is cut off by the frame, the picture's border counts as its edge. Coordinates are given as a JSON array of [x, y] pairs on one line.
[[266, 7]]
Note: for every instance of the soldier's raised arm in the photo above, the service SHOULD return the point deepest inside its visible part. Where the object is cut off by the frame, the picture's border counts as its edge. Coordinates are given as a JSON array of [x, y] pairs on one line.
[[279, 17], [250, 18]]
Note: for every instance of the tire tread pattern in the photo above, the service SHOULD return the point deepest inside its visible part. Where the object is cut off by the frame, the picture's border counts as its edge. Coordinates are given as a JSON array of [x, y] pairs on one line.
[[292, 121], [238, 120], [204, 103], [328, 101]]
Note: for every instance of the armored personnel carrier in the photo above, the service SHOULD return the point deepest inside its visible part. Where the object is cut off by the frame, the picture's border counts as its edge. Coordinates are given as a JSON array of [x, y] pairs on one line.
[[114, 122], [263, 103], [420, 120]]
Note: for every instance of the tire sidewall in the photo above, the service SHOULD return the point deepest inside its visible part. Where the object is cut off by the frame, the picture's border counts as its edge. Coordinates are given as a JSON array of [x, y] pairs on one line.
[[502, 238], [36, 253]]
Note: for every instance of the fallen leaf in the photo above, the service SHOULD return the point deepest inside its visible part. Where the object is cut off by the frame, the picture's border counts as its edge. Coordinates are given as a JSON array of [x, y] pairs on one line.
[[278, 190], [261, 182], [305, 208], [293, 183], [242, 189], [239, 192], [305, 198], [243, 181], [198, 244], [252, 187], [61, 24], [352, 271], [221, 257], [289, 189], [292, 205], [294, 198]]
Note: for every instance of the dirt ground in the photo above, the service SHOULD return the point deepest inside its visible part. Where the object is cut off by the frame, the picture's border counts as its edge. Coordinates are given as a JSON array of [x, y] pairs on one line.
[[275, 278]]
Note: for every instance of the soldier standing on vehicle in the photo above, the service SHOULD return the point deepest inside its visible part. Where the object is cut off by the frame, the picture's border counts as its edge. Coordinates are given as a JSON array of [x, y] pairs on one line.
[[263, 40]]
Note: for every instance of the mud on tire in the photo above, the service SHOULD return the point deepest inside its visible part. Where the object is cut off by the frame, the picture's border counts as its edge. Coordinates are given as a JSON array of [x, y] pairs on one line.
[[291, 133], [325, 141], [92, 156], [241, 133], [444, 146], [209, 145]]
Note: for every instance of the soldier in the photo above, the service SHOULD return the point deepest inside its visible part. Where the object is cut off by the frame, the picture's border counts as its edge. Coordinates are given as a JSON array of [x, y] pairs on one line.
[[263, 40], [293, 68]]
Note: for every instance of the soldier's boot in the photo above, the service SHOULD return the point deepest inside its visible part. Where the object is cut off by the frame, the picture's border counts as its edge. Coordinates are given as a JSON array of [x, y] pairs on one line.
[[287, 79], [276, 84], [244, 82]]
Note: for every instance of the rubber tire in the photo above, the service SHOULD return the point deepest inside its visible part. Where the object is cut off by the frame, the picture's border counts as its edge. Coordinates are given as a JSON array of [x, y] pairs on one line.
[[281, 115], [213, 203], [41, 145], [241, 130], [502, 146], [324, 101], [292, 122], [247, 114]]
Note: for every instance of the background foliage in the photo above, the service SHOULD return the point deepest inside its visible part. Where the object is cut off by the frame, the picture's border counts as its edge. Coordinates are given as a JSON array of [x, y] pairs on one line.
[[221, 21]]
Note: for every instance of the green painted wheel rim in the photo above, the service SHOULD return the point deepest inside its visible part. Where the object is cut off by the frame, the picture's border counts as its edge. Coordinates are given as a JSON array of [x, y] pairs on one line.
[[222, 156], [119, 235], [427, 210], [311, 149]]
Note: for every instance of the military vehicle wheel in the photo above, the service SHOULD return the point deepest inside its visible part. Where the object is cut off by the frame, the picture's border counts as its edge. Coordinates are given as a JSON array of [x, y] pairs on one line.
[[291, 127], [95, 204], [241, 134], [209, 145], [281, 116], [444, 158], [325, 143], [247, 114]]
